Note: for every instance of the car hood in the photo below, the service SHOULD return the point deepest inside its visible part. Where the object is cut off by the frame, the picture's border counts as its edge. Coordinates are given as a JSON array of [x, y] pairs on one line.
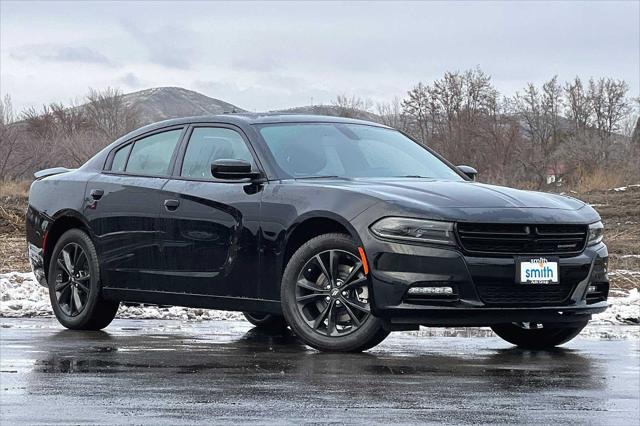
[[464, 200]]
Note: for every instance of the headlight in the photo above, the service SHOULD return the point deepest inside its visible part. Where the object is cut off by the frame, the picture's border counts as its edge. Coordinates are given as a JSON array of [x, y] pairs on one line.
[[595, 233], [406, 229]]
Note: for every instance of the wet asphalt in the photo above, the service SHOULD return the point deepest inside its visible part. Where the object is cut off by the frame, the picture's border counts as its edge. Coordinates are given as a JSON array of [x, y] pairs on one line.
[[176, 372]]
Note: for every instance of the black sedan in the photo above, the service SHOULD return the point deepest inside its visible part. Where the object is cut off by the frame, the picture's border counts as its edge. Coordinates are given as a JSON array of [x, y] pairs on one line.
[[343, 230]]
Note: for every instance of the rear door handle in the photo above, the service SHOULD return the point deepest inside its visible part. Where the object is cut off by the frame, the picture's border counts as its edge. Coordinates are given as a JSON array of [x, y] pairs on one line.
[[96, 194], [171, 205]]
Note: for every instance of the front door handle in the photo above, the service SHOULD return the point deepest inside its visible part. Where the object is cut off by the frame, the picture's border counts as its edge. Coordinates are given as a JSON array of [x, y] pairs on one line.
[[96, 194], [171, 205]]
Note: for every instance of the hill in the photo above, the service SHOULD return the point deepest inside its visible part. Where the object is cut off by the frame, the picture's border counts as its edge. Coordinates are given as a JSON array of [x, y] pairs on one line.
[[331, 110], [161, 103]]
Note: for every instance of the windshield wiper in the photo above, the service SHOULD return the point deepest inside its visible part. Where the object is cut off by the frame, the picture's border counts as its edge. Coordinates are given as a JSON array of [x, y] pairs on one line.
[[320, 177], [414, 176]]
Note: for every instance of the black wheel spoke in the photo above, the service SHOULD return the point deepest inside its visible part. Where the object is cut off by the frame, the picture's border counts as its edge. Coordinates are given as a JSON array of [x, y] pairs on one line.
[[76, 263], [318, 322], [323, 267], [309, 297], [353, 273], [355, 283], [333, 265], [70, 300], [61, 286], [76, 299], [63, 267], [357, 305], [82, 287], [331, 320], [68, 263], [308, 285], [351, 314]]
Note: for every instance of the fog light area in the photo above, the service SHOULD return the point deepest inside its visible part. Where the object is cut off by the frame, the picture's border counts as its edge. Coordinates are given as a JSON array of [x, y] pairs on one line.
[[430, 291]]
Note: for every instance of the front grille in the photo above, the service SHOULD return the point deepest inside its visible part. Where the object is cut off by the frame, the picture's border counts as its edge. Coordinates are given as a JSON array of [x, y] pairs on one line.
[[525, 294], [490, 238]]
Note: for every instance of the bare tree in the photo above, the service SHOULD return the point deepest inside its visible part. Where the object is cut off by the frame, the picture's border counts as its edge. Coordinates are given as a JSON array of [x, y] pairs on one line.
[[109, 115], [419, 107], [610, 107], [351, 107], [8, 137], [392, 114], [539, 109]]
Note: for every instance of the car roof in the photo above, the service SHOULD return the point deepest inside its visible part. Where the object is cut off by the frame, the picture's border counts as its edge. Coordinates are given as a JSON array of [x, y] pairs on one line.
[[250, 119]]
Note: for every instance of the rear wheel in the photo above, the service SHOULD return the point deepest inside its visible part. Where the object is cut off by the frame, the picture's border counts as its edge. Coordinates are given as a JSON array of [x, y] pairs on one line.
[[326, 296], [264, 321], [536, 335], [74, 284]]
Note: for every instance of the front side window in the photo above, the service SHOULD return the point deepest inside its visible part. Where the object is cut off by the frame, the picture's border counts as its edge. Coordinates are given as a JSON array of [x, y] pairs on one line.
[[152, 155], [208, 144], [350, 150]]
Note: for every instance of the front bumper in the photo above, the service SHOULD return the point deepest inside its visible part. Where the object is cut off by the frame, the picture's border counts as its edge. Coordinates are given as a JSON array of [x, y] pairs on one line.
[[485, 291]]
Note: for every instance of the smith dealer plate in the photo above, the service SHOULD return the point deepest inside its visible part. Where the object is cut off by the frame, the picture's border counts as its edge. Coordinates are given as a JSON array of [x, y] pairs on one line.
[[539, 270]]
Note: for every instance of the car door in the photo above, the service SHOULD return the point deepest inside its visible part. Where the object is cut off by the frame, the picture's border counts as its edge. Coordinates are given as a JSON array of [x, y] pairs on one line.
[[210, 241], [123, 208]]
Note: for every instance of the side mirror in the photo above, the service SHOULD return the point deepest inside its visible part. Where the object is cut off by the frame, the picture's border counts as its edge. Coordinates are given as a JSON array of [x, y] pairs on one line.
[[232, 169], [469, 171]]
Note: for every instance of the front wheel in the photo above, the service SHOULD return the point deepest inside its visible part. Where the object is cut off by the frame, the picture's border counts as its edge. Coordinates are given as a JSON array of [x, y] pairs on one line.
[[536, 335], [326, 296]]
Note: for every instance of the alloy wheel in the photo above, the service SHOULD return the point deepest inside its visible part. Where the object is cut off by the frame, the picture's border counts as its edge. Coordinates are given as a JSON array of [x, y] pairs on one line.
[[73, 277], [332, 295]]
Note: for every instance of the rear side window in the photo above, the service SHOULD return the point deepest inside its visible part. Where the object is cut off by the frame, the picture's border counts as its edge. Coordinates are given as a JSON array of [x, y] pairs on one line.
[[152, 155], [208, 144], [120, 159]]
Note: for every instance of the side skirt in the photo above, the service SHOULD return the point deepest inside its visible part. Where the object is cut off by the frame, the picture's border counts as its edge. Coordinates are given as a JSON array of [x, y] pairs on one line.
[[204, 301]]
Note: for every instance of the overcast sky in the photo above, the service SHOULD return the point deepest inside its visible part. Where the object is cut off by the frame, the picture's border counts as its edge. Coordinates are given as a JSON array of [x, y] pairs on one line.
[[263, 56]]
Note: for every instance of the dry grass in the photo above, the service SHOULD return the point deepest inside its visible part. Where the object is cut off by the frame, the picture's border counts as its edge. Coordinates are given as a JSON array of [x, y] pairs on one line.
[[16, 189], [13, 205], [601, 180], [13, 254]]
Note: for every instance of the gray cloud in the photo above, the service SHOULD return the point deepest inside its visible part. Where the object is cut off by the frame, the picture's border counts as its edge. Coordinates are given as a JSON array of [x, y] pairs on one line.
[[168, 45], [50, 53], [130, 80]]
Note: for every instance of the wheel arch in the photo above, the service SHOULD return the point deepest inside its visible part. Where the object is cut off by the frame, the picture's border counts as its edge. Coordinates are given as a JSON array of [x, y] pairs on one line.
[[311, 225], [61, 222]]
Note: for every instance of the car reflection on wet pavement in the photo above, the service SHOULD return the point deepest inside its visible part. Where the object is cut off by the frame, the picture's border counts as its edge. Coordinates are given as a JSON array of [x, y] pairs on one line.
[[183, 372]]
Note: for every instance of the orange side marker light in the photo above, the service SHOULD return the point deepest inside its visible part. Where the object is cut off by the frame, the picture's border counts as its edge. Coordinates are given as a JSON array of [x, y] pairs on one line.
[[363, 258]]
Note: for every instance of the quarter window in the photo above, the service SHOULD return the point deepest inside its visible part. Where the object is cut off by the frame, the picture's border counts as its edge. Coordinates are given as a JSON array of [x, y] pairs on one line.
[[120, 159], [208, 144], [152, 155]]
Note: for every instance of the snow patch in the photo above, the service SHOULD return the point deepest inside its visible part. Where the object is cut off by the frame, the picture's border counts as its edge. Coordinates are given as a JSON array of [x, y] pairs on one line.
[[624, 188], [21, 296], [615, 272], [622, 310]]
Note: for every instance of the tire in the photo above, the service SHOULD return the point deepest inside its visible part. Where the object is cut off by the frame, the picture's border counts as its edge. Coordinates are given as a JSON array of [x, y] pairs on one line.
[[267, 322], [538, 338], [94, 312], [308, 293]]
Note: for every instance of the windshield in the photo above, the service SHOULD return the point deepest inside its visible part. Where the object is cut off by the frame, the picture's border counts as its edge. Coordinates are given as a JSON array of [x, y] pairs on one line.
[[306, 150]]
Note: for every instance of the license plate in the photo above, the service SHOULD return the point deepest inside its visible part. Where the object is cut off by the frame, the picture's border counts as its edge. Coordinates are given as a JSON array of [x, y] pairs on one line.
[[539, 270]]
